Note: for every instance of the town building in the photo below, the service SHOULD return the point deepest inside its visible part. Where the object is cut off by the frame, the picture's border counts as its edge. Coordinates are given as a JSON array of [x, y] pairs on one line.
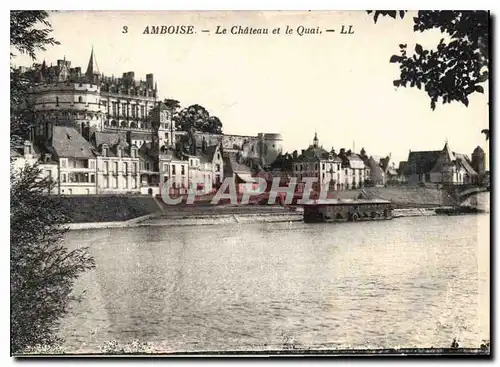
[[29, 155], [318, 162], [117, 163], [174, 169], [439, 167], [382, 170]]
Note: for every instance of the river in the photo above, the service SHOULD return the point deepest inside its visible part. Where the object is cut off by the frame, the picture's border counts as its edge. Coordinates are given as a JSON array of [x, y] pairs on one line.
[[409, 282]]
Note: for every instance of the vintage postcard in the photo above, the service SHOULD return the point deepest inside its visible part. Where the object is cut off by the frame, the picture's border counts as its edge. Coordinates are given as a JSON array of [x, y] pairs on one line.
[[250, 183]]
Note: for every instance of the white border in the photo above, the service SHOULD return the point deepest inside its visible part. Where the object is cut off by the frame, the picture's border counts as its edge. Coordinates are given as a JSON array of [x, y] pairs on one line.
[[192, 5]]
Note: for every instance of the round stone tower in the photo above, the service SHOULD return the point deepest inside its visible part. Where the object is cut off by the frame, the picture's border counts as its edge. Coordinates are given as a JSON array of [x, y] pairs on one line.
[[270, 146]]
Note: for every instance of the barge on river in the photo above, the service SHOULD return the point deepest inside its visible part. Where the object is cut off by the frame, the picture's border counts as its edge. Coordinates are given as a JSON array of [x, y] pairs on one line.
[[353, 210]]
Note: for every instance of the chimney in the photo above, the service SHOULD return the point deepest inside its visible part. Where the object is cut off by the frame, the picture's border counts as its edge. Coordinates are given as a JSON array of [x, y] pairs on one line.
[[150, 81], [86, 131]]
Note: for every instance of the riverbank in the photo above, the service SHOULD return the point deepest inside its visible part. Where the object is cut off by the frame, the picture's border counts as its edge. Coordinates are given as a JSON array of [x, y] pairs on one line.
[[122, 211], [119, 208], [237, 215]]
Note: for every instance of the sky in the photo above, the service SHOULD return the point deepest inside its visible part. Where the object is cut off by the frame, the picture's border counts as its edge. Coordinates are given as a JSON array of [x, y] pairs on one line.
[[337, 85]]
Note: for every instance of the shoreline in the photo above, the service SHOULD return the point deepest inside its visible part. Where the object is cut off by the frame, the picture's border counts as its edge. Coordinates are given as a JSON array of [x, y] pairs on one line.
[[235, 215]]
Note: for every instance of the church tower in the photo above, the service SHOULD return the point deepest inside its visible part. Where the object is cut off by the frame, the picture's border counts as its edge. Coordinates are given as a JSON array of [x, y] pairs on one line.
[[315, 141], [92, 73]]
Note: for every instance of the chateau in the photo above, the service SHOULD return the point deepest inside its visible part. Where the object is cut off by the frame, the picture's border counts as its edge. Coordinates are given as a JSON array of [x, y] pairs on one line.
[[97, 134]]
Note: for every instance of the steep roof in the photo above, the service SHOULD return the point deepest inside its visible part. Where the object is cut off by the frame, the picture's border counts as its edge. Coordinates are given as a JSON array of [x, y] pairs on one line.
[[464, 160], [136, 135], [237, 167], [92, 67], [316, 153], [355, 161], [69, 143], [421, 162], [113, 140], [478, 151], [208, 155]]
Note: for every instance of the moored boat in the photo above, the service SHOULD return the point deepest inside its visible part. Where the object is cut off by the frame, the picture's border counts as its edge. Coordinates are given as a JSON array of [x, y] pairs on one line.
[[335, 210]]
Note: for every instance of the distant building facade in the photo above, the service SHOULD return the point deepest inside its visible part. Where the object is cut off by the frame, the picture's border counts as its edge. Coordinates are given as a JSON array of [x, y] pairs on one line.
[[439, 167]]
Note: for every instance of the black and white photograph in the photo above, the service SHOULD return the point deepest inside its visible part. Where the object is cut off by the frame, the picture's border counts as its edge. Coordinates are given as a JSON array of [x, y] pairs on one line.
[[250, 183]]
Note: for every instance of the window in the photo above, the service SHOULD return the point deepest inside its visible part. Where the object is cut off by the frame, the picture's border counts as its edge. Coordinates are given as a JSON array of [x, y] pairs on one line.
[[125, 183], [63, 163], [57, 101], [134, 152], [173, 169], [147, 166], [134, 172], [182, 170], [115, 182], [165, 167], [125, 167], [323, 166], [106, 182], [116, 166], [105, 152], [92, 178], [92, 164], [106, 167], [217, 167], [63, 177], [80, 99]]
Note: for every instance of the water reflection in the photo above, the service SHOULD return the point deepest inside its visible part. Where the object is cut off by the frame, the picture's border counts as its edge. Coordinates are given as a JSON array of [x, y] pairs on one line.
[[408, 282]]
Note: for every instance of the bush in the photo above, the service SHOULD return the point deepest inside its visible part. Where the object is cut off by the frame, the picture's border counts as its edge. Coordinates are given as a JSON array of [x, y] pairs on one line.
[[42, 270]]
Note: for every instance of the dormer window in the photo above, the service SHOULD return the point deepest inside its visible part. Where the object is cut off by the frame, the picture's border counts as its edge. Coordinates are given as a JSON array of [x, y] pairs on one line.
[[133, 152], [105, 150], [119, 149]]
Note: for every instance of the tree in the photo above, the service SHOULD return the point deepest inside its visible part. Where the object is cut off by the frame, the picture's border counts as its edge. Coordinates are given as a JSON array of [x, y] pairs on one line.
[[197, 116], [455, 69], [26, 37], [172, 104], [214, 125], [42, 269]]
